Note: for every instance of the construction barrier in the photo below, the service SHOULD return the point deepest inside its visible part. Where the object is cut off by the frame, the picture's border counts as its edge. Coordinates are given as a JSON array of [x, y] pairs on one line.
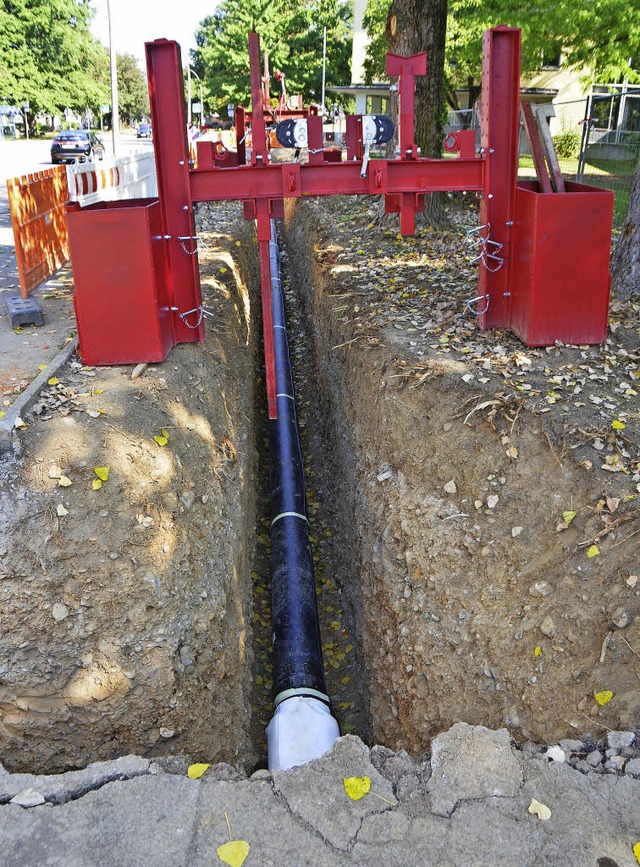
[[37, 208]]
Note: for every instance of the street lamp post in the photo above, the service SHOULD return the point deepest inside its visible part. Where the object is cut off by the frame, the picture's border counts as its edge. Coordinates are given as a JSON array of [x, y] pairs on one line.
[[189, 71], [115, 118]]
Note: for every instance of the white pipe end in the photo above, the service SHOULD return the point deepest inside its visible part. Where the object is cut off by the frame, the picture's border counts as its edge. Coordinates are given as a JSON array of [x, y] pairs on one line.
[[301, 729]]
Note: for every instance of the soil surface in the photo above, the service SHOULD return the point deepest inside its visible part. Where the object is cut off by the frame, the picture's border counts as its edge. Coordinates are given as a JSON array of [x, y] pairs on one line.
[[125, 523], [473, 506], [488, 492]]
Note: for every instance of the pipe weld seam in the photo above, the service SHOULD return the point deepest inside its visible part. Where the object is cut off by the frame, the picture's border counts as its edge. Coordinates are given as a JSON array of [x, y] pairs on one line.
[[289, 515], [303, 692]]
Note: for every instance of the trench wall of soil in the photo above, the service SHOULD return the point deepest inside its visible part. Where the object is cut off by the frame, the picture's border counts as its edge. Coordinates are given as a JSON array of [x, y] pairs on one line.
[[470, 604], [125, 610]]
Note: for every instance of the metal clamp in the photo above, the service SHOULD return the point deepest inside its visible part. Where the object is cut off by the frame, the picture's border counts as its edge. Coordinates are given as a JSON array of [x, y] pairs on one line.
[[193, 239], [487, 249], [199, 310], [474, 311]]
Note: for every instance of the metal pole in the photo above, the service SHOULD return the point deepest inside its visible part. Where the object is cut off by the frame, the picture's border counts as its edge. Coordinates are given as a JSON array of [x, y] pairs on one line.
[[324, 64], [188, 95], [115, 114]]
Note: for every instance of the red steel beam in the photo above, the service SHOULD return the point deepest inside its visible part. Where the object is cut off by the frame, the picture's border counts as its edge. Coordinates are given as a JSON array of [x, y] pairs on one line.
[[169, 123], [331, 179], [500, 125], [258, 127]]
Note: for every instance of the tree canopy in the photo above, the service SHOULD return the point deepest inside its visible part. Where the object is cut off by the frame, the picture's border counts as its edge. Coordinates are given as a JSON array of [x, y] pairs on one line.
[[291, 33], [599, 36], [49, 56]]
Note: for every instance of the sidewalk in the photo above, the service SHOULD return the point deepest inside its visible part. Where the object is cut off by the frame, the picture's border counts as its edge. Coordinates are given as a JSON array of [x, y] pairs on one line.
[[478, 801], [25, 351]]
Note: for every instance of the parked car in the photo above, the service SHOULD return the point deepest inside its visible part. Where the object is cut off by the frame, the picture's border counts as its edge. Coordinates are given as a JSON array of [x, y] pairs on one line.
[[144, 130], [76, 144]]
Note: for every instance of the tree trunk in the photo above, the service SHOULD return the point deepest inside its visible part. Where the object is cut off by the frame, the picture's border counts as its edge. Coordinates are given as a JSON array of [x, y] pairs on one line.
[[414, 26], [625, 265]]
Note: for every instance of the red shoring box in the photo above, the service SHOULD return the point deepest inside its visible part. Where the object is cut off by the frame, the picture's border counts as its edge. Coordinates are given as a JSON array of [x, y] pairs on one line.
[[120, 271], [560, 277]]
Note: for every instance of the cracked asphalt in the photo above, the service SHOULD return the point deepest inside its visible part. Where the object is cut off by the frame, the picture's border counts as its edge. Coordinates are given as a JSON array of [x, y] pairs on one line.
[[477, 800]]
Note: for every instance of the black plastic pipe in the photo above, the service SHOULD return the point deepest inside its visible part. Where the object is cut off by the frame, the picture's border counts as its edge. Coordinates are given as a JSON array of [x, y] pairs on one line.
[[297, 652]]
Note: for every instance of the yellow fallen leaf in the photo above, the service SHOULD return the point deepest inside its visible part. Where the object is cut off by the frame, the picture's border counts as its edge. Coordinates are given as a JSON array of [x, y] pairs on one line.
[[102, 473], [164, 433], [234, 852], [603, 698], [636, 852], [162, 441], [194, 772], [1, 414], [357, 787], [537, 651], [593, 551], [616, 424], [568, 516], [96, 484], [53, 381], [64, 482], [540, 810], [98, 390], [41, 366]]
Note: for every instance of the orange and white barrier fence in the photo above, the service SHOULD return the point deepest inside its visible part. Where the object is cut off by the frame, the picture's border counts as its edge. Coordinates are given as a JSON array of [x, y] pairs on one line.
[[37, 207]]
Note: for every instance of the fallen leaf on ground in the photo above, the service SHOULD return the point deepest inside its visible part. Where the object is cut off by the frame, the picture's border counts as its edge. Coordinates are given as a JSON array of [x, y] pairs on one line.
[[357, 787], [593, 551], [162, 441], [636, 852], [96, 484], [568, 516], [194, 772], [604, 697], [61, 511], [616, 424], [234, 852], [540, 810], [64, 482], [53, 381], [102, 473]]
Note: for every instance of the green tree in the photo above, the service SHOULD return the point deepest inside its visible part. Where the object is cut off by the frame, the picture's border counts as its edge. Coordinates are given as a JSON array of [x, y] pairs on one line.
[[49, 56], [600, 36], [291, 33], [133, 93]]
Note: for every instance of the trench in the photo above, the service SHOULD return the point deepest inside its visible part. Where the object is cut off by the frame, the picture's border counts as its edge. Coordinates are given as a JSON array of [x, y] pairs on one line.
[[333, 564], [445, 590]]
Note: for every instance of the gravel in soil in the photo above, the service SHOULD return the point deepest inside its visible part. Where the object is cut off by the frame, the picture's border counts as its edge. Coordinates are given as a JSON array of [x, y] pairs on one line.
[[489, 491], [126, 528], [473, 506]]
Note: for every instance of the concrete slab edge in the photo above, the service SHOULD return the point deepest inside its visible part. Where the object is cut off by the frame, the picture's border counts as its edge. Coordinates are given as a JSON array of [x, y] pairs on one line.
[[24, 400]]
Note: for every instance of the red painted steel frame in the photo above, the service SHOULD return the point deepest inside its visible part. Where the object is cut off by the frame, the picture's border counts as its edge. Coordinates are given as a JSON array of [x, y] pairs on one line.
[[263, 186], [169, 121], [499, 146]]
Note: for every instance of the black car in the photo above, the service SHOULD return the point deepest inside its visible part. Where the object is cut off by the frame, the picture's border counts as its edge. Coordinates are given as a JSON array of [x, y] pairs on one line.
[[144, 130], [73, 145]]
